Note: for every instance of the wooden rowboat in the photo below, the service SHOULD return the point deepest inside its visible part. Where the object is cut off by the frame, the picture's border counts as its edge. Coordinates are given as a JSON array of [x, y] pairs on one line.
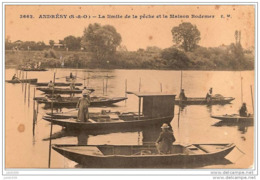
[[111, 121], [57, 84], [72, 101], [33, 69], [63, 90], [234, 118], [157, 109], [122, 156], [22, 81], [203, 101]]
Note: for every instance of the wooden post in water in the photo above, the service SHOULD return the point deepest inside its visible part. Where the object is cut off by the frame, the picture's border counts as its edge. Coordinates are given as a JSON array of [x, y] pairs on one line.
[[49, 162], [140, 84], [22, 78], [88, 78], [125, 89], [34, 111], [161, 86], [106, 84], [241, 88], [252, 98], [84, 79], [139, 108], [29, 91], [103, 87]]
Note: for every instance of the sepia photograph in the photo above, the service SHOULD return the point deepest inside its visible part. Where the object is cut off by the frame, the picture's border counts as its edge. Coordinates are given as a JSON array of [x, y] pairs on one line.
[[129, 86]]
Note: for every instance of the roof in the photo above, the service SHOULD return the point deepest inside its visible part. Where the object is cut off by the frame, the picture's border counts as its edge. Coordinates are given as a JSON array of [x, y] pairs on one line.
[[147, 94]]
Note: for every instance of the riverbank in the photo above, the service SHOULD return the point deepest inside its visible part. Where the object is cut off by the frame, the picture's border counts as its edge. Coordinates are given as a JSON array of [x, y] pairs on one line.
[[167, 59]]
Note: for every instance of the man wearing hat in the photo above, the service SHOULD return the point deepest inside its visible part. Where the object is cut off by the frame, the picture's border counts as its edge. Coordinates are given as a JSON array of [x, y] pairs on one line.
[[83, 105], [243, 110], [165, 140]]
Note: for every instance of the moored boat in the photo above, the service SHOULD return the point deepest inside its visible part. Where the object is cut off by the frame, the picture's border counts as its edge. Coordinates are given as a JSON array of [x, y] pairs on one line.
[[63, 90], [234, 118], [57, 84], [33, 69], [203, 101], [22, 81], [72, 101], [123, 156], [157, 109]]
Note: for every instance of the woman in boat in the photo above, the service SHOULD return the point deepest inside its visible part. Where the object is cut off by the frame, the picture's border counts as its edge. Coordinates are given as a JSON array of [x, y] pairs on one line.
[[83, 105], [243, 110], [182, 96], [165, 140]]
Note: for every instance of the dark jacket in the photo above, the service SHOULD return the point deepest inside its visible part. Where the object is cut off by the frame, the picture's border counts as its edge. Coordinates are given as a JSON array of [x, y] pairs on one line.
[[165, 141]]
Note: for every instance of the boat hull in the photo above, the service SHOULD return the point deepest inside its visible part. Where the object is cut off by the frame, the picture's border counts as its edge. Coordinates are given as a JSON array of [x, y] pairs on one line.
[[203, 101], [93, 103], [62, 91], [134, 161], [22, 81], [58, 84], [115, 125], [234, 118]]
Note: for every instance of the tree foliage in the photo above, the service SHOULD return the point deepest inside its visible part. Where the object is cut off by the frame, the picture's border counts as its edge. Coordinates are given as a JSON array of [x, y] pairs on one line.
[[187, 35], [72, 42], [102, 41], [51, 43], [175, 59]]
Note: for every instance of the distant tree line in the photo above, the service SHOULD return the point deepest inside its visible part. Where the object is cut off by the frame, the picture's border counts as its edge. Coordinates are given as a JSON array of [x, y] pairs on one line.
[[102, 44]]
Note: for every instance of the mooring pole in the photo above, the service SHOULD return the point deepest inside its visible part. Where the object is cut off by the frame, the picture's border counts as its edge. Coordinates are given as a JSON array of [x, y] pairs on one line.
[[161, 86], [106, 84], [103, 87], [29, 91], [139, 108], [125, 90], [49, 162], [241, 78], [140, 81], [252, 98], [34, 111]]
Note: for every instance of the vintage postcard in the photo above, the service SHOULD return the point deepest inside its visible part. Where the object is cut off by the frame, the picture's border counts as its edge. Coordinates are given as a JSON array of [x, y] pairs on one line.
[[139, 86]]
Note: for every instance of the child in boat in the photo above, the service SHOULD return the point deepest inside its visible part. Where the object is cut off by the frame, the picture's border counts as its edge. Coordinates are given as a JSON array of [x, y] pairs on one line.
[[165, 140], [182, 96], [83, 105], [243, 110]]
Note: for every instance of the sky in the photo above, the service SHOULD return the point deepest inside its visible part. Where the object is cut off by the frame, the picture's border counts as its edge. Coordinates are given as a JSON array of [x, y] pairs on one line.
[[135, 32]]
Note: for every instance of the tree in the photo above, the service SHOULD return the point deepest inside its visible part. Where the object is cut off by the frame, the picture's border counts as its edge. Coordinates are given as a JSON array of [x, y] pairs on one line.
[[72, 42], [175, 59], [187, 35], [101, 41]]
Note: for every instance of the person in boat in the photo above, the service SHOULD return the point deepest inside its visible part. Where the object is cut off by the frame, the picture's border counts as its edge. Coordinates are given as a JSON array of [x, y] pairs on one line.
[[72, 85], [51, 85], [165, 140], [182, 96], [71, 76], [83, 105], [14, 77], [243, 110], [209, 95]]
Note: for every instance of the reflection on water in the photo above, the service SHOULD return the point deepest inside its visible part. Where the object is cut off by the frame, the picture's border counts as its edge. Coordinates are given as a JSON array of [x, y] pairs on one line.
[[192, 125]]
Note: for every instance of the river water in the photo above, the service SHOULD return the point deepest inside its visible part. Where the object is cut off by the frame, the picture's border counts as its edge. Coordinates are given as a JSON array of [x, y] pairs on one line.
[[23, 150]]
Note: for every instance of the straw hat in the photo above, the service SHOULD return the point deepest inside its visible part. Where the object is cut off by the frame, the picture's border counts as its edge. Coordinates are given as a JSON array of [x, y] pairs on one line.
[[165, 125]]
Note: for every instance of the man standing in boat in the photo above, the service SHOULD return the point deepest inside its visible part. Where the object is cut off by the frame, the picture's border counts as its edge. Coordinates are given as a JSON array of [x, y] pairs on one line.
[[182, 96], [14, 77], [165, 140], [83, 105], [51, 85], [243, 110], [209, 95]]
